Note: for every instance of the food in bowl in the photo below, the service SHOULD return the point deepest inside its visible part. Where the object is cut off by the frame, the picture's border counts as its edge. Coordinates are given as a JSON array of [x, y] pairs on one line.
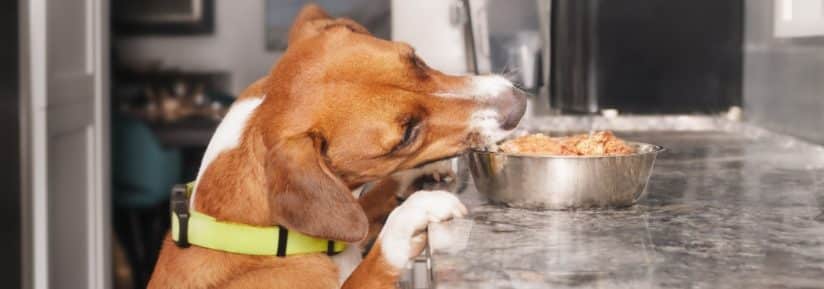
[[591, 171], [600, 143]]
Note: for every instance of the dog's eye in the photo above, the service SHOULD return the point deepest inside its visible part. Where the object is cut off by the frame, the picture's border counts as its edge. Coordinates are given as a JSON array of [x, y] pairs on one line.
[[411, 129]]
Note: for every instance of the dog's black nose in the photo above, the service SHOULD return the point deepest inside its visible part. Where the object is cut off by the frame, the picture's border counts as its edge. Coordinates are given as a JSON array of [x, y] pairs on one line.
[[512, 108]]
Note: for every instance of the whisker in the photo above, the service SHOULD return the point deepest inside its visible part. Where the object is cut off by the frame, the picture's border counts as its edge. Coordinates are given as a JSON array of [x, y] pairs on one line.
[[509, 71]]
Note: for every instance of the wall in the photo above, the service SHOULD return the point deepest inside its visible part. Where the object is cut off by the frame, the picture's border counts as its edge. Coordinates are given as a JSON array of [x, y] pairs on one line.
[[783, 78], [237, 45]]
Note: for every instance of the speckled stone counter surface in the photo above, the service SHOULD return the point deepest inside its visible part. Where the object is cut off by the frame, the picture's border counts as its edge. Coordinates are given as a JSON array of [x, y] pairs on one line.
[[728, 206]]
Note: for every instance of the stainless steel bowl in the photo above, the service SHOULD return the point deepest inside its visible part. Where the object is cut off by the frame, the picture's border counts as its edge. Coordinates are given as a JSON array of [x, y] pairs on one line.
[[564, 182]]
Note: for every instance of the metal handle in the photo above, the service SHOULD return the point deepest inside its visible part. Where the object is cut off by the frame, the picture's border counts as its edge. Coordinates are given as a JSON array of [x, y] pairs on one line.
[[423, 261], [420, 266], [469, 39], [90, 36], [545, 19]]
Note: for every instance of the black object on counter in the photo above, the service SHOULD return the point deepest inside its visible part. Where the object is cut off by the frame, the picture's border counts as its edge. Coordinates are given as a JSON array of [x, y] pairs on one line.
[[646, 56]]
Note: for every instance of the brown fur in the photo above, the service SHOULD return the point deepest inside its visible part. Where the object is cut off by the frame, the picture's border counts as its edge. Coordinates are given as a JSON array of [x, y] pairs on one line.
[[334, 111], [373, 273]]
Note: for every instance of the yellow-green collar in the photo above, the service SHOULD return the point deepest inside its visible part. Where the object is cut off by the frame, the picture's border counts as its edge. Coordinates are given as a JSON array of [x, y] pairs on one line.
[[205, 231]]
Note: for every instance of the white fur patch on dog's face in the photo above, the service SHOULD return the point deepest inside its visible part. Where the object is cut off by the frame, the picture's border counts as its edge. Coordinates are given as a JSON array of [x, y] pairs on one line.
[[486, 121], [397, 239], [227, 135], [481, 88], [490, 86]]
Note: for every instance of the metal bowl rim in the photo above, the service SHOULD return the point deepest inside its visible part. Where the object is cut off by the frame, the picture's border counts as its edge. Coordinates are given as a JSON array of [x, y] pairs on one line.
[[656, 149]]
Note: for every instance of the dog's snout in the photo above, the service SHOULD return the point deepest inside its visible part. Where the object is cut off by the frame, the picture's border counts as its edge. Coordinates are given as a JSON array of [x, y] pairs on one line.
[[500, 107], [500, 95], [511, 106]]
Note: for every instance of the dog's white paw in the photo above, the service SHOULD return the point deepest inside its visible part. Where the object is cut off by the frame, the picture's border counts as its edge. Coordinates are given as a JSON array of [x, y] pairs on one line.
[[404, 234]]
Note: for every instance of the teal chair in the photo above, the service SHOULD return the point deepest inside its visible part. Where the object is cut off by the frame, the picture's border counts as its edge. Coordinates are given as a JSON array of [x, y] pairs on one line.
[[143, 174], [143, 170]]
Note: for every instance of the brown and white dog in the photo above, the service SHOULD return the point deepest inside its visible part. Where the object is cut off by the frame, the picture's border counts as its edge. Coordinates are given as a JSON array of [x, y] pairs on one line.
[[339, 109]]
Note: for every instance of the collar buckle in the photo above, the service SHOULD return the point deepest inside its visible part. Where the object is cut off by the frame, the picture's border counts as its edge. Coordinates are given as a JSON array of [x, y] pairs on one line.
[[179, 204]]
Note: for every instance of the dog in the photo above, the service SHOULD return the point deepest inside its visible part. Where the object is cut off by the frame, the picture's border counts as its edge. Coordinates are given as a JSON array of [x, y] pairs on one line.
[[339, 109]]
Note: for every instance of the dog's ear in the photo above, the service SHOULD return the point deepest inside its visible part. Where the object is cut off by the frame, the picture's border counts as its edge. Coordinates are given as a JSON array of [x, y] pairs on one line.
[[307, 197], [312, 20], [308, 14]]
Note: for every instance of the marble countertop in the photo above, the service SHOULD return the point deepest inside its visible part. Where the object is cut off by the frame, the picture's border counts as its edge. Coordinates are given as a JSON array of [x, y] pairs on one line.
[[729, 206]]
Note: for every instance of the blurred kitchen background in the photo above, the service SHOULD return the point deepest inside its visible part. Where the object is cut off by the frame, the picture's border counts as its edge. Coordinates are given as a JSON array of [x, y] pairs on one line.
[[106, 104]]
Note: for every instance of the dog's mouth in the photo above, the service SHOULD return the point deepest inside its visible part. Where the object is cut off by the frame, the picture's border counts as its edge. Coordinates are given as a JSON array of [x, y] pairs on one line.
[[484, 142]]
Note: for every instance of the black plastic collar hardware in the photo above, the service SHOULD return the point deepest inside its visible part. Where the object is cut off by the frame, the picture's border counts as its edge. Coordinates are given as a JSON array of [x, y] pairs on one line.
[[283, 237], [180, 209], [330, 248]]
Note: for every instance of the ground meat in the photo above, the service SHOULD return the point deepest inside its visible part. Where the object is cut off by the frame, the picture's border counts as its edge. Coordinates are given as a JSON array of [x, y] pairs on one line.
[[595, 144]]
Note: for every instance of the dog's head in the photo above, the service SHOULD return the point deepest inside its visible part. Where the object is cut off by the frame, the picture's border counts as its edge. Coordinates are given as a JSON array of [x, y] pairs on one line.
[[343, 108]]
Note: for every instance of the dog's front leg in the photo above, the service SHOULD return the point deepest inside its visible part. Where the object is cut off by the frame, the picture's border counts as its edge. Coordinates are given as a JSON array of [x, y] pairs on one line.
[[403, 237]]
